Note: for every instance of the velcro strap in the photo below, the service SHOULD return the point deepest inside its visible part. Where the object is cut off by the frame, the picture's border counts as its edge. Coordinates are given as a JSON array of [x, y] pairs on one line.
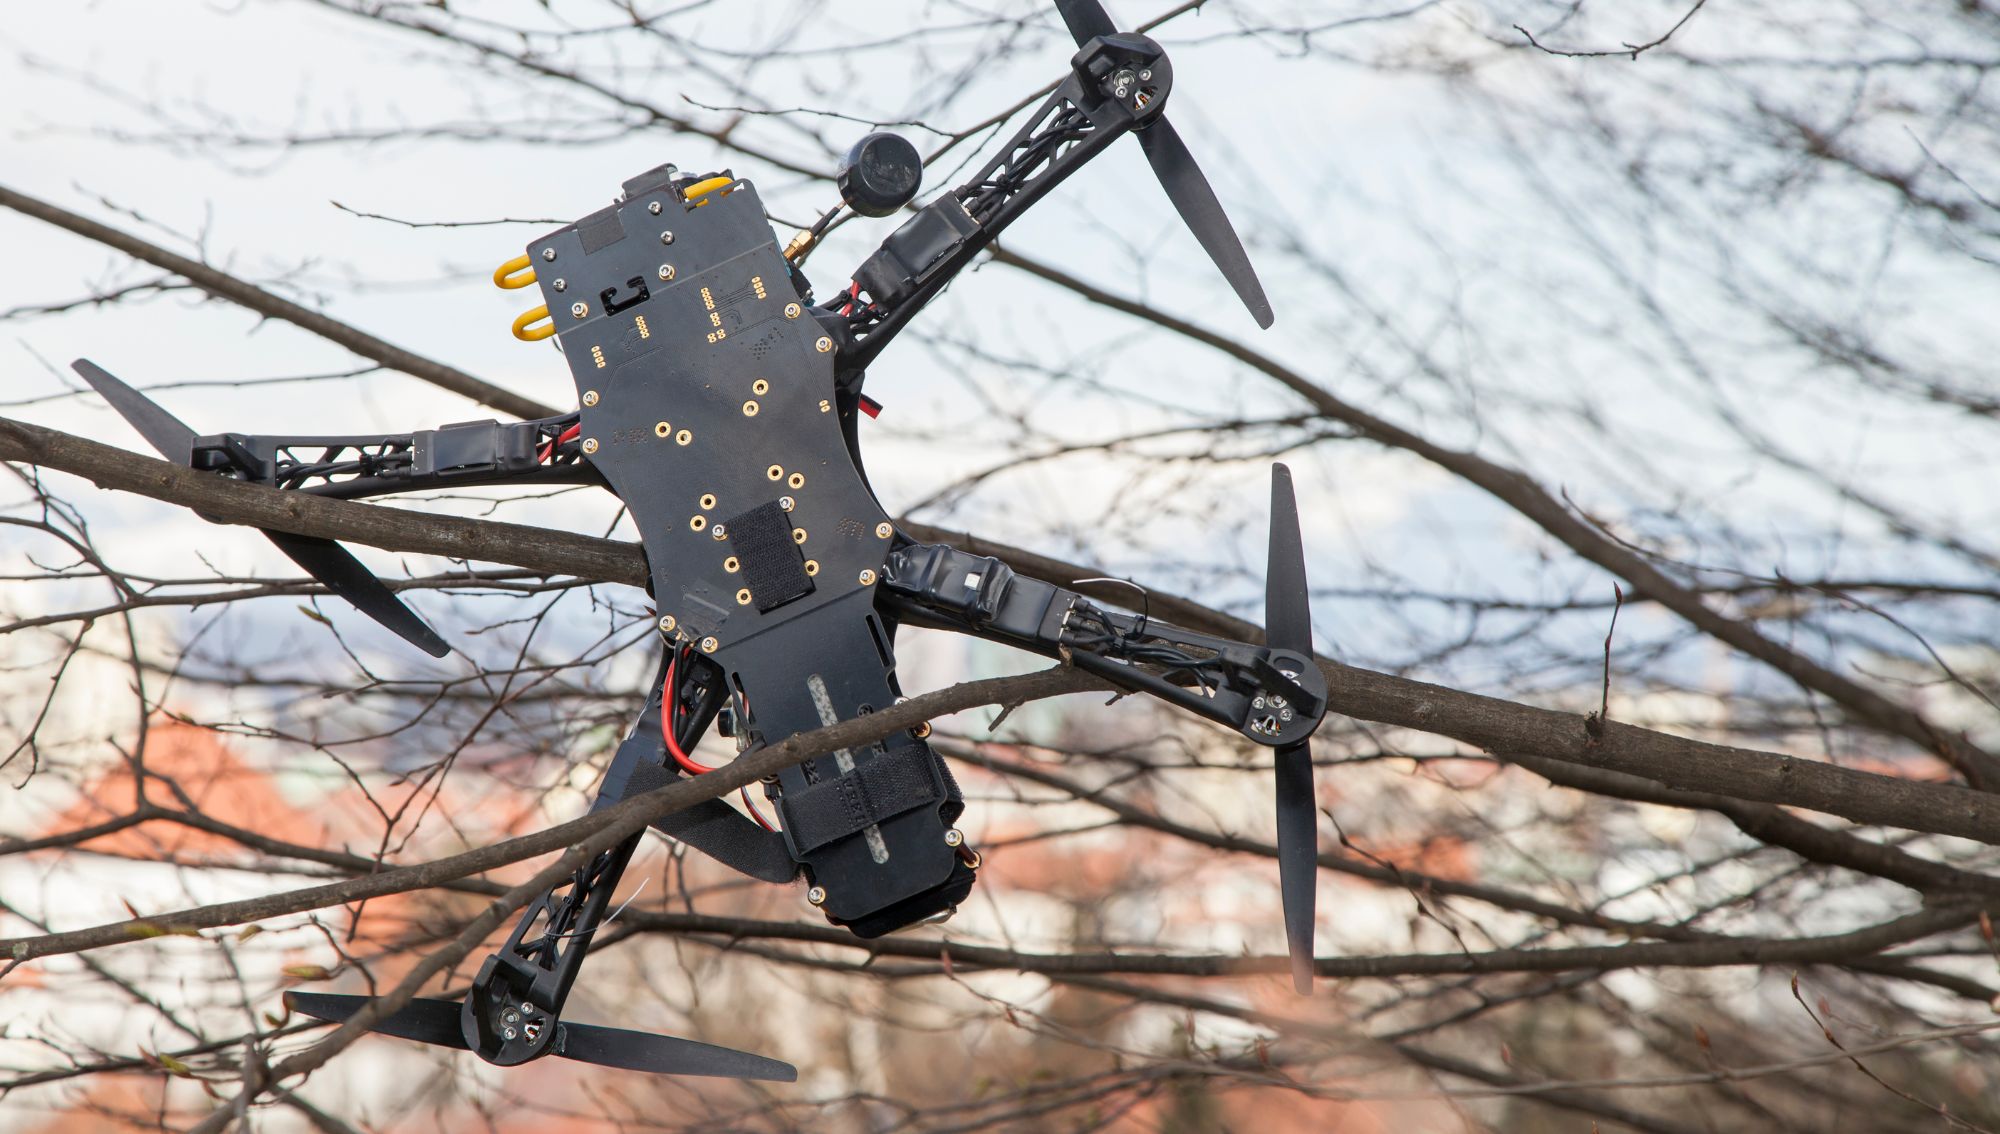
[[773, 566], [876, 790]]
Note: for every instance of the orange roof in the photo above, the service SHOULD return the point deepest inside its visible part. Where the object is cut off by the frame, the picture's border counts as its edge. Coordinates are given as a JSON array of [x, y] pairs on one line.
[[221, 787]]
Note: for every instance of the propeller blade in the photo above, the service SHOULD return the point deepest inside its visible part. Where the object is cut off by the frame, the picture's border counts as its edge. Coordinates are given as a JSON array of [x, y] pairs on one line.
[[1202, 212], [332, 565], [1298, 856], [1288, 627], [665, 1055], [1287, 606], [1087, 19], [426, 1021], [337, 568], [162, 430]]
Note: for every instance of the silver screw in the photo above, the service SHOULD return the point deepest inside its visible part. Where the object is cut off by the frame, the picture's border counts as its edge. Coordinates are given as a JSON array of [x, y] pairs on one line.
[[579, 309], [823, 345], [1258, 703], [867, 578], [709, 644], [1285, 715], [816, 895], [590, 397], [787, 503], [654, 208], [954, 837], [509, 1033], [721, 532], [1145, 75], [667, 623], [549, 254], [511, 1016], [883, 530], [562, 285], [590, 444], [791, 310], [666, 272], [667, 237]]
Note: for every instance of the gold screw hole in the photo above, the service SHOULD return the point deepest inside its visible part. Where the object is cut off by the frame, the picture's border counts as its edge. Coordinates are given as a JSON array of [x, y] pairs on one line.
[[743, 597], [798, 535], [663, 430], [750, 408], [812, 566], [698, 522], [730, 565], [707, 501], [775, 471], [760, 387], [683, 437], [796, 480]]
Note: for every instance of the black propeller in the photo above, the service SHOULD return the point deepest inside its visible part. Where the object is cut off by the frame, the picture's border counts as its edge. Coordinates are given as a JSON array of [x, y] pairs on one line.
[[1180, 176], [439, 1022], [1288, 627], [333, 565]]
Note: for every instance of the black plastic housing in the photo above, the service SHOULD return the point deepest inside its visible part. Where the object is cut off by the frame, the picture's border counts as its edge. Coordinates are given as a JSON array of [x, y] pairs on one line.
[[880, 174], [924, 241]]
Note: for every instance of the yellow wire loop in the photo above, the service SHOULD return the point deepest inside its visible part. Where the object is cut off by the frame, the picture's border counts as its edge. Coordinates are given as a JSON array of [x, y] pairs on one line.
[[528, 334], [514, 273], [702, 188]]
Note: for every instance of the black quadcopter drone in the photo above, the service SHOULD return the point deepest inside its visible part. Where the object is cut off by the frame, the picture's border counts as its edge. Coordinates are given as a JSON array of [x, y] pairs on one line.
[[720, 403]]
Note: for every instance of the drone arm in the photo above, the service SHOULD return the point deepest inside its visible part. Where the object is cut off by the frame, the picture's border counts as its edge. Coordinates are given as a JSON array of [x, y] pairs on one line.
[[462, 455], [531, 975], [1087, 112], [1273, 697]]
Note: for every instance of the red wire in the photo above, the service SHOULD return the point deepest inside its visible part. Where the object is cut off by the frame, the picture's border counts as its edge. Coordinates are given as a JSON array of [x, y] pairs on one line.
[[568, 435], [670, 706], [671, 700], [754, 813]]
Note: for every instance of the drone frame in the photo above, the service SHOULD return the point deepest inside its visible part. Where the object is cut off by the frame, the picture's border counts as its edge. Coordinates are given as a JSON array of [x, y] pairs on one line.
[[780, 581]]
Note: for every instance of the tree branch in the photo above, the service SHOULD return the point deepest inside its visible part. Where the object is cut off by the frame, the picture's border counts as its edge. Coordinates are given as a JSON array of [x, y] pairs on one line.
[[1501, 727], [222, 285]]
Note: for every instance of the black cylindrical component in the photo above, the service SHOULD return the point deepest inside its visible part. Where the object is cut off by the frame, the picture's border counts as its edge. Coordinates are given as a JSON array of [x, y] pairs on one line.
[[880, 174]]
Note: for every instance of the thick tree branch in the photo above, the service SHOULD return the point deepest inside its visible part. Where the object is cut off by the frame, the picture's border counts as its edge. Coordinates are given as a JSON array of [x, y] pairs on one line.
[[629, 815], [1501, 727], [1707, 953]]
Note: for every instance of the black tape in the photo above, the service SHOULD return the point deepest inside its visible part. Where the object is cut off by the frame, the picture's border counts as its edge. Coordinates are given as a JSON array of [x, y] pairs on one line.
[[773, 566], [600, 229]]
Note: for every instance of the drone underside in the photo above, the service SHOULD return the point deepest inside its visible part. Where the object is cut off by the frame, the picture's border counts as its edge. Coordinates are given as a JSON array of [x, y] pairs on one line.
[[720, 404]]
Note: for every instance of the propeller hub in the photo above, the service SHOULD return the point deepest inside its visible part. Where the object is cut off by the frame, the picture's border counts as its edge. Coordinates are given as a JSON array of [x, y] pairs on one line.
[[1128, 69], [501, 1026]]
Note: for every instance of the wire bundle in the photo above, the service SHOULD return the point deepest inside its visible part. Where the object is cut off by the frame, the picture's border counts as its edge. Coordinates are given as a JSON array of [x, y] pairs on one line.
[[670, 711]]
